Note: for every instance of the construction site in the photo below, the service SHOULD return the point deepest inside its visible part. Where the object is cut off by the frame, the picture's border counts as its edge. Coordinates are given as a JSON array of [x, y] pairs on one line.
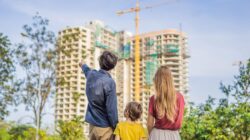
[[139, 57]]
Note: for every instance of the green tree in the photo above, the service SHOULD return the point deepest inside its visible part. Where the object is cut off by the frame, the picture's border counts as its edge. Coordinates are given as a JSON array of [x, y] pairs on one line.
[[37, 57], [71, 130], [237, 118], [6, 75], [229, 120]]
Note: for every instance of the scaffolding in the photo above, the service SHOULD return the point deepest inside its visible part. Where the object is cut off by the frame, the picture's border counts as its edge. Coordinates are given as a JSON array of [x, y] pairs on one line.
[[151, 61], [152, 51], [171, 48], [126, 51]]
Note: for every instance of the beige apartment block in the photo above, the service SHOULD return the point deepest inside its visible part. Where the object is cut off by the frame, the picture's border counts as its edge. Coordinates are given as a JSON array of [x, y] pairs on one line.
[[70, 99], [86, 43]]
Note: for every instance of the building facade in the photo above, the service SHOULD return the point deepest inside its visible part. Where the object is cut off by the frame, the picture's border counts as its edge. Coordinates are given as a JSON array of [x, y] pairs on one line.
[[86, 44]]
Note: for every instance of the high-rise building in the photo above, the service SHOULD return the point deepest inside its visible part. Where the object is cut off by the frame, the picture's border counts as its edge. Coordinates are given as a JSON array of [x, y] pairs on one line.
[[86, 43], [166, 47], [75, 44]]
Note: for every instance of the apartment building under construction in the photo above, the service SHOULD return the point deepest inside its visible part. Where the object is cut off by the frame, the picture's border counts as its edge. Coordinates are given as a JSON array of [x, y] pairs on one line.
[[86, 43], [166, 47]]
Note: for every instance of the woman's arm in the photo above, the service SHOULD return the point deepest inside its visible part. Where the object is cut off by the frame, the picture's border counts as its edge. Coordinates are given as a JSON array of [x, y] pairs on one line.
[[150, 123], [117, 137]]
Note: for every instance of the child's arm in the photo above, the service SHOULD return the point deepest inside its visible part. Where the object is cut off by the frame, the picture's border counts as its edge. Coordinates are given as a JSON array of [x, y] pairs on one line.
[[117, 137]]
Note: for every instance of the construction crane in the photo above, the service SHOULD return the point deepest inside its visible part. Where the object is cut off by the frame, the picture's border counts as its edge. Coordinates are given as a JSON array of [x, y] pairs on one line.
[[137, 54]]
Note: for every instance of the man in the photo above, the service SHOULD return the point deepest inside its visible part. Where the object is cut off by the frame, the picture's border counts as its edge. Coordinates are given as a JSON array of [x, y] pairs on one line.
[[101, 112]]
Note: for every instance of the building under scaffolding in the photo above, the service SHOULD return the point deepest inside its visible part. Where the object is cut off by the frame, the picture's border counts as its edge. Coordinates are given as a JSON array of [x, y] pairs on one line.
[[166, 47]]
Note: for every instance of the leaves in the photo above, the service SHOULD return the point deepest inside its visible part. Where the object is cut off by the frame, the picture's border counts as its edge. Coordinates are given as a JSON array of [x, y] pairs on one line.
[[229, 120], [76, 96], [7, 69], [71, 130]]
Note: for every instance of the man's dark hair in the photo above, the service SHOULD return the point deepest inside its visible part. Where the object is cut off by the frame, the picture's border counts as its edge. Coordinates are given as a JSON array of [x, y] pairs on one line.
[[133, 111], [107, 60]]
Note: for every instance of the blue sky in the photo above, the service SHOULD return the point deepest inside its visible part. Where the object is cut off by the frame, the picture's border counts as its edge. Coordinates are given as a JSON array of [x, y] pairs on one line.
[[218, 30]]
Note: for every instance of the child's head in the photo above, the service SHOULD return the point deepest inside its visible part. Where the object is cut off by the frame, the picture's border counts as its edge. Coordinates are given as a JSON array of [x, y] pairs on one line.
[[133, 111], [107, 60]]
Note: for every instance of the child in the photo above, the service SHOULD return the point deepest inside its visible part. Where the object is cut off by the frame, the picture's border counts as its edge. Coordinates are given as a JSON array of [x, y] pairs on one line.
[[130, 129]]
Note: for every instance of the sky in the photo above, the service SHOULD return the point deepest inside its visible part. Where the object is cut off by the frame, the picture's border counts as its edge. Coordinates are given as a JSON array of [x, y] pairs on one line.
[[218, 32]]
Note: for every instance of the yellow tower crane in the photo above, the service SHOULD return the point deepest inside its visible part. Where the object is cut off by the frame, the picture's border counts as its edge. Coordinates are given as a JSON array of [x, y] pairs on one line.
[[137, 54], [136, 48]]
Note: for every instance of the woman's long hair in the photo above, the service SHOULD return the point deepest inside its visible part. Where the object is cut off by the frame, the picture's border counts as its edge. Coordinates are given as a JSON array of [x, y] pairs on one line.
[[165, 100]]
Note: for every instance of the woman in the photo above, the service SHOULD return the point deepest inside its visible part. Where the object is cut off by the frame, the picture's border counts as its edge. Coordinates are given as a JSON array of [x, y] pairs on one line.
[[166, 108]]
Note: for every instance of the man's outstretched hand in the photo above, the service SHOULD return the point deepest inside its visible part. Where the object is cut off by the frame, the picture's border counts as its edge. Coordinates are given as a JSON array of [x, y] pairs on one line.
[[80, 64]]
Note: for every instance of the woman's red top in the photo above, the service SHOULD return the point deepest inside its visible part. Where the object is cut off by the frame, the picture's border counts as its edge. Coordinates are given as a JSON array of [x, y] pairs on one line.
[[164, 123]]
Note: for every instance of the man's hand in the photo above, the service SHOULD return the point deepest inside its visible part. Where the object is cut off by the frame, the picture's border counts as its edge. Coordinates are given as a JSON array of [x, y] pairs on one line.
[[80, 64]]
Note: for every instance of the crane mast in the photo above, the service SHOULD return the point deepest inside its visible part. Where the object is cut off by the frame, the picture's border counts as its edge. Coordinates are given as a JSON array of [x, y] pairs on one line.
[[137, 55]]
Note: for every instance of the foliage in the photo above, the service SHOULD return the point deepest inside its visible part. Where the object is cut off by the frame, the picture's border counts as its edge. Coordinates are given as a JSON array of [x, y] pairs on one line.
[[12, 131], [76, 97], [229, 120], [24, 132], [53, 137], [71, 130], [4, 135], [6, 75]]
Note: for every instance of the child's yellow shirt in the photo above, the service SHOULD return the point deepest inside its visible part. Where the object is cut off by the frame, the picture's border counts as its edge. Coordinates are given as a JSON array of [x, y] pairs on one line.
[[130, 131]]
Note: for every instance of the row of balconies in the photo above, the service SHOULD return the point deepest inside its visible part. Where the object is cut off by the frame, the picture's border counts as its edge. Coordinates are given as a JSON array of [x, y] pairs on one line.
[[74, 47], [76, 42], [69, 60], [70, 111], [171, 63], [72, 30], [73, 55], [68, 99], [65, 117], [62, 67], [61, 88]]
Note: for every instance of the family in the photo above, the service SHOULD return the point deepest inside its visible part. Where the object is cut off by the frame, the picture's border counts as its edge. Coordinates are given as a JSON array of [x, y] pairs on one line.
[[165, 112]]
